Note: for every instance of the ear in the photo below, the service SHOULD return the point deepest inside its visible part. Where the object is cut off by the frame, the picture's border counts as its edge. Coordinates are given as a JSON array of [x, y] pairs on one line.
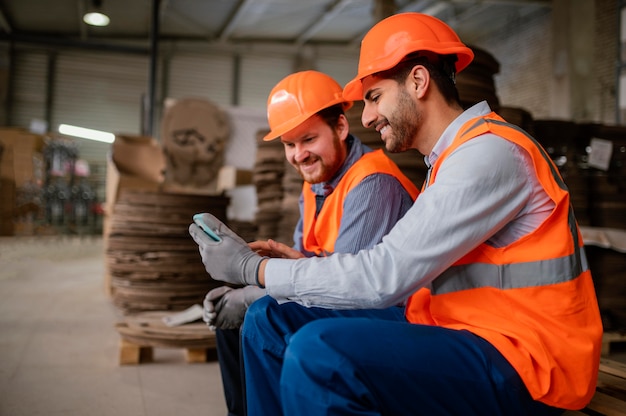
[[419, 80], [343, 127]]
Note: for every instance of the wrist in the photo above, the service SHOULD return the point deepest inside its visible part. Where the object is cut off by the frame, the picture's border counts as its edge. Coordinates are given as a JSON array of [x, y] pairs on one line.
[[260, 274]]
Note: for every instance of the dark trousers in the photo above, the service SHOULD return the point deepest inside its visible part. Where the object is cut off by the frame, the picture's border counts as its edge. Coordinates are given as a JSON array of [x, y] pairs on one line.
[[229, 356]]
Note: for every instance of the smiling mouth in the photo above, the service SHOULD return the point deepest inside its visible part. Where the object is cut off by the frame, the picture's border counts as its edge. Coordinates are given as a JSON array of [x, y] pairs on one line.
[[308, 165], [382, 126]]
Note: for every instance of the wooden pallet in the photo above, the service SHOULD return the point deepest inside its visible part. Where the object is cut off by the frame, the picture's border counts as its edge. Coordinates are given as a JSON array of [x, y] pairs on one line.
[[134, 354], [141, 333], [610, 397], [609, 338]]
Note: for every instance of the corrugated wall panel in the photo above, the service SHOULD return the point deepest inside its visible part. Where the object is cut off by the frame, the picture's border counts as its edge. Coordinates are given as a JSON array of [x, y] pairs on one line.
[[259, 74], [101, 91], [339, 64], [201, 76], [29, 88]]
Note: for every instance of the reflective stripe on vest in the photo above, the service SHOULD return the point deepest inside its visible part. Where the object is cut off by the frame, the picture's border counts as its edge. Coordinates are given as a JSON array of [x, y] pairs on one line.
[[515, 275], [510, 276], [534, 299]]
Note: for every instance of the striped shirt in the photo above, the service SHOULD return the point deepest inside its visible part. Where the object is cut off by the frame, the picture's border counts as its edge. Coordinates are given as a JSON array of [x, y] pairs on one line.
[[370, 209]]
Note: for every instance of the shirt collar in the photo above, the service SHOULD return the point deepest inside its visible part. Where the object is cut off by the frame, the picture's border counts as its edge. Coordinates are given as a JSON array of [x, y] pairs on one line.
[[480, 109]]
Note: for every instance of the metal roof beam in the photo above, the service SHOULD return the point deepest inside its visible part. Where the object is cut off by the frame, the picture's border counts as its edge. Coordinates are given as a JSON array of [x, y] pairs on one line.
[[234, 19], [82, 26], [4, 22], [330, 13]]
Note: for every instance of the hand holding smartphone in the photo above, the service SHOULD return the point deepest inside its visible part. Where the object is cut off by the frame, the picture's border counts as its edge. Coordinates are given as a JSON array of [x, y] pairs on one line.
[[207, 230]]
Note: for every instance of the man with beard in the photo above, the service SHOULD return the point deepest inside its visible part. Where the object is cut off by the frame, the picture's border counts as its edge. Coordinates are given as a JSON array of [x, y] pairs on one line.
[[501, 315], [351, 197]]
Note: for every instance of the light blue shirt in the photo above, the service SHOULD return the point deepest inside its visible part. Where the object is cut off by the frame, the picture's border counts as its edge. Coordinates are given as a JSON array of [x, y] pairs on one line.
[[485, 191]]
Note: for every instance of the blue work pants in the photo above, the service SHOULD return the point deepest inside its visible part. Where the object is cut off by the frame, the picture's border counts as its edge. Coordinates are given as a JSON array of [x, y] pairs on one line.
[[313, 361]]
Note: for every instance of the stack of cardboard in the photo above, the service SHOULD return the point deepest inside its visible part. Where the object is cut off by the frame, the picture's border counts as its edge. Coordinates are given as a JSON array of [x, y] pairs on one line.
[[151, 261], [267, 176], [476, 82], [134, 163]]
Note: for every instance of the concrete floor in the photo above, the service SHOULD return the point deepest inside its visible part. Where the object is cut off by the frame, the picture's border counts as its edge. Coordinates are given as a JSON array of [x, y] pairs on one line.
[[59, 349]]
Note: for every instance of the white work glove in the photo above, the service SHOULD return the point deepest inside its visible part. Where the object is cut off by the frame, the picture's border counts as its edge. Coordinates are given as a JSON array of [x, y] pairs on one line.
[[229, 260], [225, 307]]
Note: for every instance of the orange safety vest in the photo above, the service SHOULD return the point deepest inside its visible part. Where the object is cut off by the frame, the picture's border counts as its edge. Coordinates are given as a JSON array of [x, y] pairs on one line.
[[534, 300], [320, 234]]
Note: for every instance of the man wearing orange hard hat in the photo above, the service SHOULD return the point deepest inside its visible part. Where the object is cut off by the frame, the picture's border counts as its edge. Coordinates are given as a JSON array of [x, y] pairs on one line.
[[501, 315], [351, 197]]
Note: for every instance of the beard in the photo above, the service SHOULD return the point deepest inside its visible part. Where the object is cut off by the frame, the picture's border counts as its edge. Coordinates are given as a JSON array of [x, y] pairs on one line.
[[327, 168], [404, 122]]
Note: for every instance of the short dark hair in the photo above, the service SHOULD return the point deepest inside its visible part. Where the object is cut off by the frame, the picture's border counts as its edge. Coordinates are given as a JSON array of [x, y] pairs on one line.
[[440, 67], [331, 114]]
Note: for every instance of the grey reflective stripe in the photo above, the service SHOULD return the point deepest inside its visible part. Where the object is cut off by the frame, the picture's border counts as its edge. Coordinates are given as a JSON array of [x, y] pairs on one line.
[[573, 228], [510, 276], [517, 275]]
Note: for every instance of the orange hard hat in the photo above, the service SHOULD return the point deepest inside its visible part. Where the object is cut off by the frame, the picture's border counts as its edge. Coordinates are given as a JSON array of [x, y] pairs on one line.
[[393, 38], [299, 96]]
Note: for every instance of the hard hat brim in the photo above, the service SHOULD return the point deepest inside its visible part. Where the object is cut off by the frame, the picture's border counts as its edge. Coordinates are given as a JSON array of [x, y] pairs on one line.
[[295, 122], [353, 90]]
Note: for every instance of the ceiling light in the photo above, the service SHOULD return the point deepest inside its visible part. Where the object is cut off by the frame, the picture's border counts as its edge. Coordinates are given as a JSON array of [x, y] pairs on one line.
[[96, 19], [90, 134], [94, 15]]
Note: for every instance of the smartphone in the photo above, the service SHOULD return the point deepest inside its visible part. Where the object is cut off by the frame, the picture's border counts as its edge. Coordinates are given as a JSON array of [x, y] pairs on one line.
[[207, 230]]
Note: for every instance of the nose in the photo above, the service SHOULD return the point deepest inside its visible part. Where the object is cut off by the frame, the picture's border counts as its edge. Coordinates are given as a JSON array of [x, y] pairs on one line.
[[368, 116], [300, 154]]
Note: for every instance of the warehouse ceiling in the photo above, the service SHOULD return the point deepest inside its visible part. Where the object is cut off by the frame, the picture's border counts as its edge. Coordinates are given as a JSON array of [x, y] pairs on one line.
[[229, 22]]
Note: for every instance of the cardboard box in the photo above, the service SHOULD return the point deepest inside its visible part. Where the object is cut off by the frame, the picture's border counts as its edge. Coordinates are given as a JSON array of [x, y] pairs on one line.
[[229, 177], [19, 149], [20, 152], [7, 207], [135, 162], [140, 156]]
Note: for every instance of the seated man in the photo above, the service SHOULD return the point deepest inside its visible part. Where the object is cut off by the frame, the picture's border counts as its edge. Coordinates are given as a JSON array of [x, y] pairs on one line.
[[502, 317], [351, 197]]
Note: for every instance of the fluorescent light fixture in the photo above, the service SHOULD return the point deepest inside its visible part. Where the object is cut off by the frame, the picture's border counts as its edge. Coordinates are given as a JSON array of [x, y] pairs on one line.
[[89, 134], [96, 19]]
